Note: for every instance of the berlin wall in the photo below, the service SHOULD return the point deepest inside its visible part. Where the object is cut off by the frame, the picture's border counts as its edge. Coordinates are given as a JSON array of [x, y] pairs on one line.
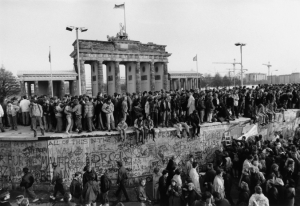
[[102, 152]]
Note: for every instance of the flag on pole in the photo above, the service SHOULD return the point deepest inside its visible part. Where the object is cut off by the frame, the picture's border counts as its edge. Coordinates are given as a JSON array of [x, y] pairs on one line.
[[50, 56], [120, 6], [195, 58]]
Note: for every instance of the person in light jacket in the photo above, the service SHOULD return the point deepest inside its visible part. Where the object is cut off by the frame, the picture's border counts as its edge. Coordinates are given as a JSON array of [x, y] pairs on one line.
[[36, 114], [191, 103], [108, 109], [1, 116], [122, 127]]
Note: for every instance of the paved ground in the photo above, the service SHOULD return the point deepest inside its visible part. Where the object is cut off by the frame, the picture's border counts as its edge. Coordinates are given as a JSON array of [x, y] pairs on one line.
[[25, 133]]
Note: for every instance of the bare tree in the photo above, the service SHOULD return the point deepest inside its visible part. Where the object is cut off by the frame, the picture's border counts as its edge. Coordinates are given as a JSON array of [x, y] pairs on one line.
[[9, 84]]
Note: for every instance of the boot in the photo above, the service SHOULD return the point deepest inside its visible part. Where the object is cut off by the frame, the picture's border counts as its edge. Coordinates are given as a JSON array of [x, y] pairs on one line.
[[43, 132], [34, 133]]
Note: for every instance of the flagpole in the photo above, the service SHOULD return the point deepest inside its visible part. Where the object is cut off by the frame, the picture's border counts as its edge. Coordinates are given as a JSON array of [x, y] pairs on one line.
[[125, 19], [51, 72], [197, 71]]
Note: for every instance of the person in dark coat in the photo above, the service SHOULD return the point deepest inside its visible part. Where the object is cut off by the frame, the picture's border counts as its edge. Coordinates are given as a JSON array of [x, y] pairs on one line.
[[210, 174], [244, 195], [122, 177], [57, 180], [91, 190], [142, 196], [171, 169], [76, 186], [228, 184], [174, 193], [163, 187], [191, 195], [105, 184], [27, 182], [88, 175], [219, 200]]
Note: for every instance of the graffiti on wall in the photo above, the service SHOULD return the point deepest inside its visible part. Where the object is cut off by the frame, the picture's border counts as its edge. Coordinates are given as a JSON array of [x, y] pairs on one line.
[[102, 153], [14, 156]]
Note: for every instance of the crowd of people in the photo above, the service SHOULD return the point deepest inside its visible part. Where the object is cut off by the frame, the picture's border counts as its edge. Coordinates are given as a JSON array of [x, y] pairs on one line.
[[148, 110], [266, 171], [262, 172]]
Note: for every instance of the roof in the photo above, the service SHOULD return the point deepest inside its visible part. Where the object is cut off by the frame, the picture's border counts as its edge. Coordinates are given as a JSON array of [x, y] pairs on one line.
[[43, 72]]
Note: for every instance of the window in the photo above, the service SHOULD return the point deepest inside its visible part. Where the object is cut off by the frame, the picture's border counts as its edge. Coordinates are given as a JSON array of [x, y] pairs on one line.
[[130, 77], [144, 69], [94, 78], [109, 69], [157, 77], [129, 69], [110, 78], [144, 77], [93, 69], [156, 69]]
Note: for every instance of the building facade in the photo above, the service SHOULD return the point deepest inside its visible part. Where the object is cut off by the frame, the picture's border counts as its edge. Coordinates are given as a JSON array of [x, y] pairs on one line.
[[39, 82], [184, 80], [146, 65], [255, 77]]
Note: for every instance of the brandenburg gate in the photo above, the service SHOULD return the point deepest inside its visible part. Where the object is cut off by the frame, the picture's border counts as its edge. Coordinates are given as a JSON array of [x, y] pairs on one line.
[[146, 65]]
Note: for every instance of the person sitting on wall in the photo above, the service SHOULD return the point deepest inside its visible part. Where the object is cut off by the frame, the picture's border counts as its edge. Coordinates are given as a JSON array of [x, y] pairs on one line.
[[178, 125], [149, 128], [139, 129], [122, 127]]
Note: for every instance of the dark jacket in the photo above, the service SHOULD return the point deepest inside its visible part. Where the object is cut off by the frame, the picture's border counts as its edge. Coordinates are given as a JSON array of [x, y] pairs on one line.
[[27, 180], [90, 192], [87, 176], [76, 188], [210, 175], [163, 187], [191, 197], [105, 183], [122, 175]]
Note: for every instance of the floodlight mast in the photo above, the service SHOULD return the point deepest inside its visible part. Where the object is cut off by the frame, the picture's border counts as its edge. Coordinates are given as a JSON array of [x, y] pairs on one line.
[[82, 29], [241, 50]]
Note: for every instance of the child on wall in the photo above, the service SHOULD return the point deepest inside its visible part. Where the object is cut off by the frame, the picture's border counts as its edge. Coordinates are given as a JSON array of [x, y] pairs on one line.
[[122, 127]]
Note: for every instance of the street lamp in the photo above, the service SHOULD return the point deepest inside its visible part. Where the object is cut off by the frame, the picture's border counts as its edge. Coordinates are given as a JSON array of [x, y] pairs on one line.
[[272, 74], [82, 29], [241, 46]]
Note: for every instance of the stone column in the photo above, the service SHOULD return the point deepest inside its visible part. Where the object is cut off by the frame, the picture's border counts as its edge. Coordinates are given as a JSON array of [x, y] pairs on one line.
[[138, 77], [36, 88], [49, 88], [23, 90], [152, 77], [100, 76], [165, 83], [29, 88], [82, 77], [62, 88], [186, 84], [73, 88], [117, 80]]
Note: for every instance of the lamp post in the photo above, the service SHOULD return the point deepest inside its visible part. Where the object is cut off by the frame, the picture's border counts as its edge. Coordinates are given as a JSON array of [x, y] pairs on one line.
[[82, 29], [272, 75], [241, 46]]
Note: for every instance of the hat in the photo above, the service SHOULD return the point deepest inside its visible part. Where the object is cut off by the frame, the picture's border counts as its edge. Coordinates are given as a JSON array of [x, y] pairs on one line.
[[4, 194], [54, 164]]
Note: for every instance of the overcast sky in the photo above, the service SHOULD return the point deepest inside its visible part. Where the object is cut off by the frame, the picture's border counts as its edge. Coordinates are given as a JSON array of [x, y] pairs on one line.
[[208, 28]]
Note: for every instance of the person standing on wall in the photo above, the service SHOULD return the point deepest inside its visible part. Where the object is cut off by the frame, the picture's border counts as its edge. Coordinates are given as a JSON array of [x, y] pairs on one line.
[[36, 114], [122, 177], [27, 182], [58, 181]]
